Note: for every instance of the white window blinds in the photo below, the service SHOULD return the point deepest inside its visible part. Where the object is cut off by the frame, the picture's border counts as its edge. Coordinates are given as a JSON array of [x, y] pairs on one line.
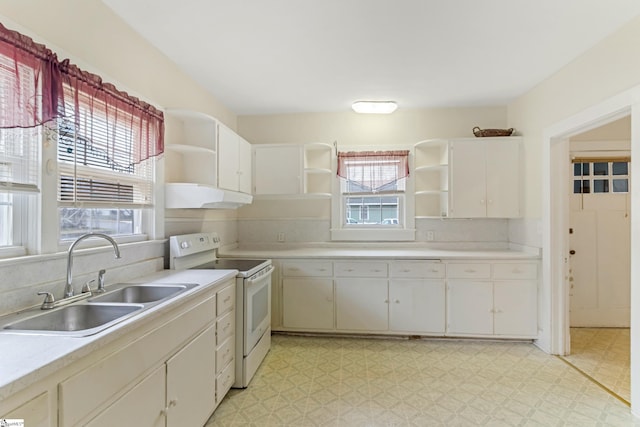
[[19, 148], [97, 156]]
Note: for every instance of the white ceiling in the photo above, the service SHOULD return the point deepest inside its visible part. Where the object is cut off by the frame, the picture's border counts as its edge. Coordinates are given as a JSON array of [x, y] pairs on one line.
[[288, 56]]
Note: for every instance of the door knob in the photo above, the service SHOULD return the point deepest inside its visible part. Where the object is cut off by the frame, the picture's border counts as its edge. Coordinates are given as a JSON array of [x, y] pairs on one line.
[[572, 252]]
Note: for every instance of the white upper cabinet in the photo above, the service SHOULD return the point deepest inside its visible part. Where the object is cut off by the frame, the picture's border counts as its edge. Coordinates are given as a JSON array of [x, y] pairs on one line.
[[277, 169], [293, 170], [234, 152], [191, 148], [484, 178], [207, 164]]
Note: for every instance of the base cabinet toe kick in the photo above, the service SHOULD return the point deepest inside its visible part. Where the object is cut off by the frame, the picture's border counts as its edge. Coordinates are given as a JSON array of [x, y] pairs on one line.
[[485, 298]]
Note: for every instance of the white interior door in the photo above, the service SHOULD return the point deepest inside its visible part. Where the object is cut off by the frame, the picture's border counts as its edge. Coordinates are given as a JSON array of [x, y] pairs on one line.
[[600, 259]]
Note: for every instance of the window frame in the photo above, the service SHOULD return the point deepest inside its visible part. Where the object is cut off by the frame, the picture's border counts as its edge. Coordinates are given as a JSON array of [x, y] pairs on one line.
[[402, 232]]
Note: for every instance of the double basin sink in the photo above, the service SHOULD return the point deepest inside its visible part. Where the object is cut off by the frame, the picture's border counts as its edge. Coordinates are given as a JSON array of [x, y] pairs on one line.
[[98, 312]]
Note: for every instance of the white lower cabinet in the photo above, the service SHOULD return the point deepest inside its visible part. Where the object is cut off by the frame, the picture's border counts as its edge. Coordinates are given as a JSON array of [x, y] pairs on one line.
[[515, 308], [307, 295], [191, 382], [504, 308], [469, 307], [362, 304], [417, 306], [307, 303], [410, 297], [34, 412], [143, 405]]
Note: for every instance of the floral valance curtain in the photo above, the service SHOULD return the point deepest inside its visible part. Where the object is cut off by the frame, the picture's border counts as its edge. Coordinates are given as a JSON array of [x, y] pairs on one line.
[[36, 87], [373, 170]]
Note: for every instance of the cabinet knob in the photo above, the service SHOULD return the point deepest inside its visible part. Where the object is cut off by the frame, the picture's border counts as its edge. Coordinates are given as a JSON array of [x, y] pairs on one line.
[[173, 402], [397, 301], [386, 301], [482, 201]]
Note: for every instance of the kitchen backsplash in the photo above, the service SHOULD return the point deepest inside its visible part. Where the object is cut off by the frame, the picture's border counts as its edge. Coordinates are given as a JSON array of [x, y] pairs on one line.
[[22, 278], [449, 231]]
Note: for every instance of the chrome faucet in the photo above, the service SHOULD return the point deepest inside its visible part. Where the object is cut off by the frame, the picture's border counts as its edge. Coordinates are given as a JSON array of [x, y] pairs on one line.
[[68, 287]]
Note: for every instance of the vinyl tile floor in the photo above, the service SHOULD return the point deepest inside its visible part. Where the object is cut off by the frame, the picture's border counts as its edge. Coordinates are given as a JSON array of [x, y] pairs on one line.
[[603, 354], [322, 381]]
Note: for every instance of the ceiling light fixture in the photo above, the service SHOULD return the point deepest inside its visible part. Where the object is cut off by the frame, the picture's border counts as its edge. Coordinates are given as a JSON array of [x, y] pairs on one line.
[[374, 107]]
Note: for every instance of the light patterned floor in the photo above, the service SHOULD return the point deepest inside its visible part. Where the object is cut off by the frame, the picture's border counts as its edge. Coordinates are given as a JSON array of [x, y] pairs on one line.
[[312, 381], [603, 353]]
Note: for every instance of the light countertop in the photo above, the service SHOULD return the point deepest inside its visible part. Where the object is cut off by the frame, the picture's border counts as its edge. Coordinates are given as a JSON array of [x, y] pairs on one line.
[[26, 359], [375, 251]]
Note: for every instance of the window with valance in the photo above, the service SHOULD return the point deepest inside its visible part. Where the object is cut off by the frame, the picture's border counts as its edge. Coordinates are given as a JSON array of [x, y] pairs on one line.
[[106, 140], [372, 187]]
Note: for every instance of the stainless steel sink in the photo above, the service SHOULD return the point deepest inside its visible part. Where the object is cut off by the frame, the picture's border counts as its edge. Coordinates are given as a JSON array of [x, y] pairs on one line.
[[96, 313], [141, 294], [81, 319]]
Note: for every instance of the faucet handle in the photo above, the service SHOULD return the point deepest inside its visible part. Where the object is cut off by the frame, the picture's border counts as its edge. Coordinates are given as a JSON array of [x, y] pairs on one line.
[[87, 286], [49, 300], [101, 280]]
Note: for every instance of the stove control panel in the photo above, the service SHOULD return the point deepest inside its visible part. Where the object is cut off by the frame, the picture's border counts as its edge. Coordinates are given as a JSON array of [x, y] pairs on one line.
[[189, 244]]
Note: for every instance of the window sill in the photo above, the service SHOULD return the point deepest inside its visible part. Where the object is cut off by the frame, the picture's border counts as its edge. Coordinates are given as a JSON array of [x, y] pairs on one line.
[[373, 235]]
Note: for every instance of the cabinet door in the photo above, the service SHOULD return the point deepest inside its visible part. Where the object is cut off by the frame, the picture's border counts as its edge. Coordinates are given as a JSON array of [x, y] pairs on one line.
[[470, 307], [417, 305], [277, 169], [142, 406], [362, 304], [307, 303], [467, 183], [228, 159], [244, 166], [34, 412], [516, 308], [503, 179], [191, 381]]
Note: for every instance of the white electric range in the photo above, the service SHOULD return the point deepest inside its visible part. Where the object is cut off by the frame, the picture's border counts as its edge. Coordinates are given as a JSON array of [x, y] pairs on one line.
[[253, 296]]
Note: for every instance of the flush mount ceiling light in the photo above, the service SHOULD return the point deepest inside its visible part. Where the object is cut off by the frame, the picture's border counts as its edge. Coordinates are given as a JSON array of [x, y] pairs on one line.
[[374, 107]]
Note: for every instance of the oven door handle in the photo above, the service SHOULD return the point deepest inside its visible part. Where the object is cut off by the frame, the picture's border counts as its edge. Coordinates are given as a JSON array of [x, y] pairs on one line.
[[261, 276]]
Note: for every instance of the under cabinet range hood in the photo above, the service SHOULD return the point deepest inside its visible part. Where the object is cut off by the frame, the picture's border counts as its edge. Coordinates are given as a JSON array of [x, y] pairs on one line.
[[179, 195]]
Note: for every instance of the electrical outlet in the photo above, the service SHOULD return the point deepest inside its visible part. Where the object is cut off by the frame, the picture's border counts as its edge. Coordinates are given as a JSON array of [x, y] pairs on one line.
[[431, 236], [281, 236]]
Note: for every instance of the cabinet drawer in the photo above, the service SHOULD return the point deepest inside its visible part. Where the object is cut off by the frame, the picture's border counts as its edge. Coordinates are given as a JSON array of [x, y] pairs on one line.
[[224, 381], [469, 271], [225, 326], [226, 299], [224, 354], [417, 269], [303, 269], [527, 271], [361, 269]]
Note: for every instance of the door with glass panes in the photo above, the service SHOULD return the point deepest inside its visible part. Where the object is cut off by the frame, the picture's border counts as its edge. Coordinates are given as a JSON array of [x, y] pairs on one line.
[[599, 238]]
